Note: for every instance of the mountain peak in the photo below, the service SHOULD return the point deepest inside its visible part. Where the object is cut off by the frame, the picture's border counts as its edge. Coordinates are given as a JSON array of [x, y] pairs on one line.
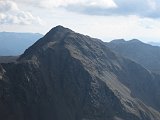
[[56, 35], [123, 41], [60, 37], [58, 29], [135, 41], [118, 41]]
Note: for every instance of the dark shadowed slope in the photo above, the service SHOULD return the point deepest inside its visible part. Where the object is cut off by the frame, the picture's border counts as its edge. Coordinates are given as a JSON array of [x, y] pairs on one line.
[[142, 53], [69, 76], [15, 43]]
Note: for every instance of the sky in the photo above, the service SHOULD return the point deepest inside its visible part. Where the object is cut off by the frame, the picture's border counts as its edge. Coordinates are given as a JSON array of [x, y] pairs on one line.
[[103, 19]]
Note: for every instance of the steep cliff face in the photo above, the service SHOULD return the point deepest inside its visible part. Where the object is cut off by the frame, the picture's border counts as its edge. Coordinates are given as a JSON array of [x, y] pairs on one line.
[[69, 76]]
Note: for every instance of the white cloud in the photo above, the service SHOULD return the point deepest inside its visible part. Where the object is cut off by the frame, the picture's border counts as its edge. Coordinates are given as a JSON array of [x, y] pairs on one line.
[[102, 3], [8, 6], [56, 3], [65, 3], [142, 8], [152, 4], [11, 14]]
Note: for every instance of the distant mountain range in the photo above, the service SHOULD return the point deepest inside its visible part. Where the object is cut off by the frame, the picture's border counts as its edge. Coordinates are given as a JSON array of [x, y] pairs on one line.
[[154, 43], [8, 59], [146, 55], [15, 43], [69, 76]]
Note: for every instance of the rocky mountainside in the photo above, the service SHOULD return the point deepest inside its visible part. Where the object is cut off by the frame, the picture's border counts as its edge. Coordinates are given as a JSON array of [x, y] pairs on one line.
[[69, 76], [15, 43], [142, 53]]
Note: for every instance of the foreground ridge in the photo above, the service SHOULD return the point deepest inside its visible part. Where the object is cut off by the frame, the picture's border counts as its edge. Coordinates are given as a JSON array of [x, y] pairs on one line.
[[69, 76]]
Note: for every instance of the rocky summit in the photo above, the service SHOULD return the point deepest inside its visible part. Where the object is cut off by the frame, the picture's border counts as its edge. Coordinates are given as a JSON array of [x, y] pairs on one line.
[[69, 76]]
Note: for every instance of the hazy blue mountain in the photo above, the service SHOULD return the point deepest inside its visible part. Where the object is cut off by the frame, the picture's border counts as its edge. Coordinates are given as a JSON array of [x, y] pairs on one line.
[[69, 76], [142, 53], [154, 43], [15, 43], [8, 59]]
